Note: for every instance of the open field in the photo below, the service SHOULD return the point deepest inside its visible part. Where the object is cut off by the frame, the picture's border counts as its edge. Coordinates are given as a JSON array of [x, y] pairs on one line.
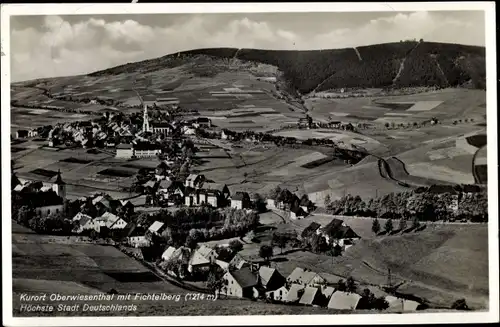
[[84, 172], [445, 105]]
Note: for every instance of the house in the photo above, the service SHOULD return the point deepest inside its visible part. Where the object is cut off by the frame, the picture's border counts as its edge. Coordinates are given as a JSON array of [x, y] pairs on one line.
[[202, 122], [311, 296], [296, 212], [21, 134], [46, 203], [241, 283], [167, 254], [224, 265], [138, 241], [271, 203], [32, 133], [208, 253], [146, 149], [79, 216], [344, 301], [278, 295], [338, 233], [149, 186], [306, 204], [162, 170], [294, 293], [310, 230], [113, 221], [305, 277], [216, 194], [401, 305], [327, 291], [81, 223], [157, 227], [164, 188], [124, 151], [194, 181], [161, 127], [198, 262], [270, 278], [240, 200], [238, 262], [186, 130]]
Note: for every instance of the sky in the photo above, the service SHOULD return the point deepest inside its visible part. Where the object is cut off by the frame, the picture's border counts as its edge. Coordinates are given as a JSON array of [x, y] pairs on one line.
[[50, 46]]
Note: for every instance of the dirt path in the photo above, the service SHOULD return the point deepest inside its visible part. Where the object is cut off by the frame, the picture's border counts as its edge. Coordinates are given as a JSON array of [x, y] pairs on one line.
[[441, 71], [358, 54], [401, 67]]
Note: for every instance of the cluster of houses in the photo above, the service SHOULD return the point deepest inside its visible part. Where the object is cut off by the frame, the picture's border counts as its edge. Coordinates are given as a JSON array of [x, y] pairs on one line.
[[336, 233], [292, 205], [48, 197], [243, 279], [196, 190], [111, 214]]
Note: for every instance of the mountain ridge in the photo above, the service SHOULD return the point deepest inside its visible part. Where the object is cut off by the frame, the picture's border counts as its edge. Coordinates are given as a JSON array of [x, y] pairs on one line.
[[387, 65]]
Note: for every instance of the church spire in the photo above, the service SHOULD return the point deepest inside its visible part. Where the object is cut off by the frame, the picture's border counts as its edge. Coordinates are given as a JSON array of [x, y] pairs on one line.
[[59, 180]]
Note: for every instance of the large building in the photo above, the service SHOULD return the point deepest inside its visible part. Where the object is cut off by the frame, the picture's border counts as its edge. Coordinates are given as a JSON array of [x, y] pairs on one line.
[[125, 151], [146, 149], [161, 127]]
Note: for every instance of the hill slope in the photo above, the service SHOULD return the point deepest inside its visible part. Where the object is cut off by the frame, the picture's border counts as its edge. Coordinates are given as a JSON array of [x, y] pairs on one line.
[[403, 64]]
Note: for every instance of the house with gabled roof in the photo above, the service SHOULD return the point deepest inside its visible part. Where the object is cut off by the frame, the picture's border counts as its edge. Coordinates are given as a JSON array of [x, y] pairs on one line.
[[311, 296], [270, 278], [305, 277], [157, 227], [240, 200], [310, 230], [238, 262], [278, 295], [242, 283], [401, 305], [344, 301], [194, 181], [197, 262], [296, 212], [294, 293], [207, 252], [337, 232], [167, 254], [112, 221], [81, 223]]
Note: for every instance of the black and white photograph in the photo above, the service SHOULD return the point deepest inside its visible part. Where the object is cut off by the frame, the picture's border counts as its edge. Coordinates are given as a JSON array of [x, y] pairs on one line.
[[231, 165]]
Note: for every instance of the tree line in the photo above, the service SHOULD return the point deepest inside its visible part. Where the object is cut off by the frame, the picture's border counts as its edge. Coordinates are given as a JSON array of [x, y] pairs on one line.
[[424, 206]]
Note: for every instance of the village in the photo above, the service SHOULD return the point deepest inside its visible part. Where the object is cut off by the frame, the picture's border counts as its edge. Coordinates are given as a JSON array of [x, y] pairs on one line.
[[171, 237]]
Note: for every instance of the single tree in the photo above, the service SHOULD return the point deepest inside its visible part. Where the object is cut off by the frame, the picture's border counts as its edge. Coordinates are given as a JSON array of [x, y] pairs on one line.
[[266, 252], [341, 286], [351, 285], [191, 243], [376, 226], [215, 282], [460, 304], [402, 224], [337, 250], [388, 226], [415, 223], [328, 200], [236, 246]]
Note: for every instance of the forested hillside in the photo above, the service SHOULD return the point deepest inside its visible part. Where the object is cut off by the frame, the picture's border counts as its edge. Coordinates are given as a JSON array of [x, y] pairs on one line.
[[401, 64]]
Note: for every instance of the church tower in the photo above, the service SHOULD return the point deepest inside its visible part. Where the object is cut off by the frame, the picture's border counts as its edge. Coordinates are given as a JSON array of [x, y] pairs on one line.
[[59, 186], [145, 124]]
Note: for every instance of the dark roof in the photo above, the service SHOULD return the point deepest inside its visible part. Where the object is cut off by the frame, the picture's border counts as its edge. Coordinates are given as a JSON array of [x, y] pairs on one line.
[[22, 131], [305, 202], [245, 277], [146, 146], [161, 124], [124, 146], [202, 120], [43, 199], [240, 196], [337, 230], [310, 229]]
